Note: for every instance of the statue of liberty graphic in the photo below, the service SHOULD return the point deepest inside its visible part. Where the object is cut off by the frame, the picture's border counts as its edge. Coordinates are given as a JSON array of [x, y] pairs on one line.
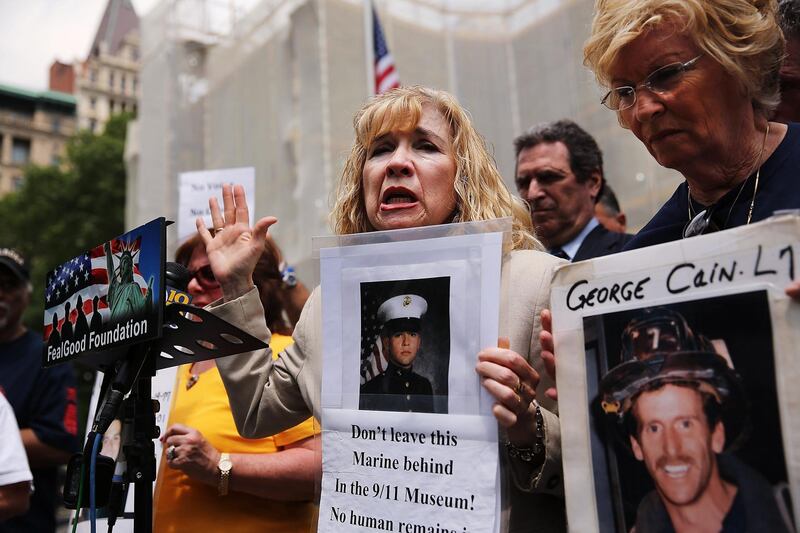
[[125, 298]]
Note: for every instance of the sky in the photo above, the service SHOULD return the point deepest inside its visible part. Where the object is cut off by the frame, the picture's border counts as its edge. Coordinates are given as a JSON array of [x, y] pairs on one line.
[[33, 33]]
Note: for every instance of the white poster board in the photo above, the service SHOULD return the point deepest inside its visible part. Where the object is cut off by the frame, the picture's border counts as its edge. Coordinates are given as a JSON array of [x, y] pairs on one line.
[[195, 188], [384, 467], [631, 329]]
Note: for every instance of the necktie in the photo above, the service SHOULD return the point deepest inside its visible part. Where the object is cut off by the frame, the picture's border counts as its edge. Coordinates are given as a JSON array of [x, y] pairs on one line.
[[558, 252]]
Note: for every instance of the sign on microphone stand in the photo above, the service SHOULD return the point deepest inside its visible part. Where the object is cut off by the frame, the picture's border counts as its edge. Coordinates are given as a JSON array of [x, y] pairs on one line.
[[107, 297], [106, 308]]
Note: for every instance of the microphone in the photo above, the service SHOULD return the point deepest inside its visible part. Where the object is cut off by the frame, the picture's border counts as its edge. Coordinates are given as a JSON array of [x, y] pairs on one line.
[[139, 332], [177, 282], [177, 278]]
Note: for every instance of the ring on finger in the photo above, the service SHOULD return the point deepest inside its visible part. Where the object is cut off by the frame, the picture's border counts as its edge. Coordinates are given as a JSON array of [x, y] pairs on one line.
[[171, 453], [526, 395]]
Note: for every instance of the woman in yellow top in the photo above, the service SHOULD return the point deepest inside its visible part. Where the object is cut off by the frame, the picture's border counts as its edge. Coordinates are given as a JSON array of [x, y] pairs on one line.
[[215, 480]]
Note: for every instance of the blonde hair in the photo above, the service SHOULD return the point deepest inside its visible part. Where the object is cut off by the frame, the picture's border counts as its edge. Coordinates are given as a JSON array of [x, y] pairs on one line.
[[480, 191], [741, 35]]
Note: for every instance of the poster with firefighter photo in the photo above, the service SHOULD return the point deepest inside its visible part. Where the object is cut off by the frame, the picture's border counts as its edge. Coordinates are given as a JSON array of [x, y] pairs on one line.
[[687, 368]]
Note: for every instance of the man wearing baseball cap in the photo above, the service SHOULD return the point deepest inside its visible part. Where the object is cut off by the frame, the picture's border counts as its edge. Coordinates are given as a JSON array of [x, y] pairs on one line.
[[680, 407], [399, 388], [43, 399]]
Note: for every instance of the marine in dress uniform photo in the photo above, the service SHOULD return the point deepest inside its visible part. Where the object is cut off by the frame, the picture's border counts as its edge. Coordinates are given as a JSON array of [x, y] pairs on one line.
[[399, 387]]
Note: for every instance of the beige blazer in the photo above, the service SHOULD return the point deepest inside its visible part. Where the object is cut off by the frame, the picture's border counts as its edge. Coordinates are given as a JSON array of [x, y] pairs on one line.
[[267, 397]]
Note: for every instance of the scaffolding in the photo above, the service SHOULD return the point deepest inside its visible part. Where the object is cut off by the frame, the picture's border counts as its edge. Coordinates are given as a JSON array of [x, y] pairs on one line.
[[274, 84]]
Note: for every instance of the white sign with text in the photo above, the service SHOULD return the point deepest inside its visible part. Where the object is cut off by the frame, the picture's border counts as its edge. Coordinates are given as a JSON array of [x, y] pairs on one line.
[[195, 188], [409, 441]]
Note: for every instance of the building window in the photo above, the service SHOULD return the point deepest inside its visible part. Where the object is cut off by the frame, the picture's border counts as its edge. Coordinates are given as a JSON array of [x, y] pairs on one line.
[[135, 84], [135, 53], [122, 80], [16, 183], [92, 125], [111, 80], [123, 107], [56, 125], [92, 75], [93, 102], [20, 151], [111, 105]]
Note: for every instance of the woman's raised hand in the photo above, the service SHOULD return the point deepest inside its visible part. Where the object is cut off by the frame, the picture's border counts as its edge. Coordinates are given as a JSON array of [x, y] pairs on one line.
[[234, 248]]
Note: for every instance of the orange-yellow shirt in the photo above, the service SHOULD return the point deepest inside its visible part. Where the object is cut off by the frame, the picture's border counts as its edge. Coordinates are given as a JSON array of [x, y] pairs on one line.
[[183, 504]]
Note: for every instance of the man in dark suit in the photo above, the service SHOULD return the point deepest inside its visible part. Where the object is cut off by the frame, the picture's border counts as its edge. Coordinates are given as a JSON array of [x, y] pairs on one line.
[[559, 172]]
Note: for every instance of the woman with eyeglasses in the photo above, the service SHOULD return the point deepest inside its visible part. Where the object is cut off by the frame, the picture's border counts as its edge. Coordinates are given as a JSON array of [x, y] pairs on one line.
[[416, 161], [696, 82], [212, 479]]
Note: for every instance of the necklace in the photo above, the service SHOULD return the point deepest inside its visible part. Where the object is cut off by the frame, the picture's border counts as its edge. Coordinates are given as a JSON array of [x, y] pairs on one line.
[[193, 379], [707, 212], [758, 173]]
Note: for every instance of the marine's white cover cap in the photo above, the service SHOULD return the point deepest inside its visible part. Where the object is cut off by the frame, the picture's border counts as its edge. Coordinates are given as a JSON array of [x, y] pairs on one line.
[[402, 306]]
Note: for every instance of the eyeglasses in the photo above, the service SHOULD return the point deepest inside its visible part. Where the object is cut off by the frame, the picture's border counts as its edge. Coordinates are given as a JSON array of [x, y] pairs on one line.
[[660, 81], [205, 277]]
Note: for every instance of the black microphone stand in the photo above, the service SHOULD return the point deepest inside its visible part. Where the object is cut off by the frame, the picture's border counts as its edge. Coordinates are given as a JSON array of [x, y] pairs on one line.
[[141, 455], [133, 375], [189, 334]]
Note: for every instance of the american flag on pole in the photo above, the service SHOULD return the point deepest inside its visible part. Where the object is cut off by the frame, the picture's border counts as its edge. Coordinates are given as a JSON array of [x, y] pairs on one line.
[[86, 276], [373, 362], [386, 77]]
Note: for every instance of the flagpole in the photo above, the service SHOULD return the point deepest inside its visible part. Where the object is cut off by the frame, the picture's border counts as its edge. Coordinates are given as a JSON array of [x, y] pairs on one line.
[[369, 47], [325, 96]]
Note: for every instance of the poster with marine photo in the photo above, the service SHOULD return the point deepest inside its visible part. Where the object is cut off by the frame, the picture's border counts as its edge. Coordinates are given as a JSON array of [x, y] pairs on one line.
[[686, 358], [405, 314]]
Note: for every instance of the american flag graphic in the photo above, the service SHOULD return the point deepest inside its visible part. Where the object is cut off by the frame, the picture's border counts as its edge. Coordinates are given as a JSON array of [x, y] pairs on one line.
[[386, 77], [373, 362], [86, 276]]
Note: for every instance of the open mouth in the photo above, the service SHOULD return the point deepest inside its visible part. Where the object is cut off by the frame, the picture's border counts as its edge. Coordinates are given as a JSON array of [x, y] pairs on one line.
[[676, 471], [397, 198]]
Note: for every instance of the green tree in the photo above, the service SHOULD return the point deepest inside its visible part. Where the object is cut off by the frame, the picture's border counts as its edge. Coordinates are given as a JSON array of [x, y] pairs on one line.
[[59, 213]]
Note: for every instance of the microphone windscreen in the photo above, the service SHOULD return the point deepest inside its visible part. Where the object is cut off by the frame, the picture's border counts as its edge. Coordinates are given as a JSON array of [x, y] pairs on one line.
[[178, 276]]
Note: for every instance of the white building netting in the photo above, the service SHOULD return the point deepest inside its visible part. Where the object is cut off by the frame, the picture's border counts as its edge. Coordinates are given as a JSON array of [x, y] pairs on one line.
[[275, 84]]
